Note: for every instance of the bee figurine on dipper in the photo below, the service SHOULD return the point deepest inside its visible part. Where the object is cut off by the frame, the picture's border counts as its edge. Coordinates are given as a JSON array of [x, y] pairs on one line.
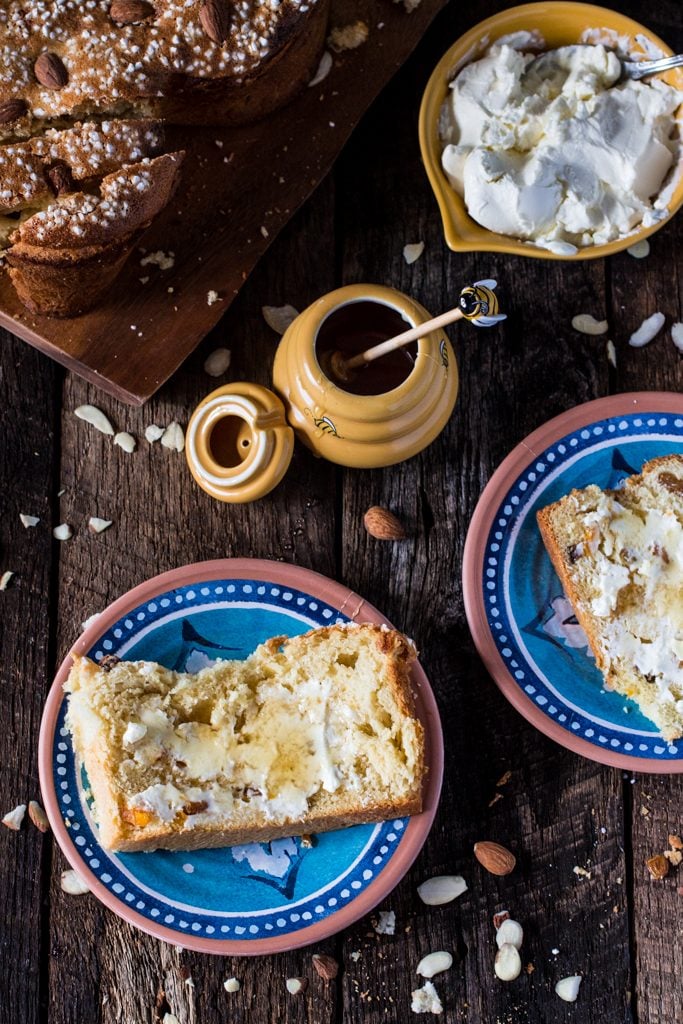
[[479, 304]]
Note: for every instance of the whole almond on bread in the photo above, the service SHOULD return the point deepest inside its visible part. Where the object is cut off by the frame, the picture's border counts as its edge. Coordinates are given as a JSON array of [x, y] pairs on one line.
[[12, 110], [50, 71], [215, 19], [130, 12], [495, 858], [383, 524]]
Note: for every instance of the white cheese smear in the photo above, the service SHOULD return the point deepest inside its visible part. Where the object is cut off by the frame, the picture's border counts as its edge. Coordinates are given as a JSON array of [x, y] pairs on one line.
[[558, 152]]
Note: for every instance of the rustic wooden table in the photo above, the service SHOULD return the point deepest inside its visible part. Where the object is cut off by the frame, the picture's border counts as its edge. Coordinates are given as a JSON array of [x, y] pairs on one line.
[[66, 958]]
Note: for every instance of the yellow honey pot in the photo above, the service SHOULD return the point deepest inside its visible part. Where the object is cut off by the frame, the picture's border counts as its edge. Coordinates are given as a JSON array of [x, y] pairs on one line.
[[407, 409]]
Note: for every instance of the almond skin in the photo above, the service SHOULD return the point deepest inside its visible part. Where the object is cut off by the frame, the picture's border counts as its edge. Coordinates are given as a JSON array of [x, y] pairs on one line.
[[60, 179], [215, 19], [495, 858], [326, 966], [129, 12], [383, 524], [50, 71], [12, 110]]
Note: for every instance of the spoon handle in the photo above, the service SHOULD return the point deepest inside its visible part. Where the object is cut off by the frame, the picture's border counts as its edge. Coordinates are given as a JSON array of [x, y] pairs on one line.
[[640, 68]]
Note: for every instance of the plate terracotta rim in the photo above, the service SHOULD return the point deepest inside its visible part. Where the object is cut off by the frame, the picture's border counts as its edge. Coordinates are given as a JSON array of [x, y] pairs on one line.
[[473, 563], [358, 610]]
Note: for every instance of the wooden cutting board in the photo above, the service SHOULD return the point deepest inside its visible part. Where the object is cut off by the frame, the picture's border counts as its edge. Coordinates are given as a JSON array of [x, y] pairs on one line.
[[239, 189]]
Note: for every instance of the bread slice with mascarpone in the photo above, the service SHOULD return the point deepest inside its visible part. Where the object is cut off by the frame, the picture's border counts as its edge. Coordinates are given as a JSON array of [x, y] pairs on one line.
[[619, 555], [305, 735]]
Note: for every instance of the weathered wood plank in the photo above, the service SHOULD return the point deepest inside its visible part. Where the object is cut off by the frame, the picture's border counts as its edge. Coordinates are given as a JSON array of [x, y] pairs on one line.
[[28, 453]]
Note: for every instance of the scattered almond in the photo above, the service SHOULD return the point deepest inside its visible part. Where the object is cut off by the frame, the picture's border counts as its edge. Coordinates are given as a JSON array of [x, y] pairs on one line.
[[325, 966], [38, 816], [170, 1018], [383, 524], [441, 889], [412, 252], [425, 999], [231, 985], [62, 532], [639, 249], [173, 437], [677, 335], [217, 362], [587, 324], [658, 866], [508, 963], [648, 331], [5, 579], [434, 963], [14, 818], [130, 12], [279, 318], [97, 525], [125, 441], [296, 986], [502, 915], [28, 521], [611, 353], [153, 433], [495, 858], [72, 883], [95, 417], [12, 110], [568, 988], [214, 16], [324, 68], [348, 37], [510, 931]]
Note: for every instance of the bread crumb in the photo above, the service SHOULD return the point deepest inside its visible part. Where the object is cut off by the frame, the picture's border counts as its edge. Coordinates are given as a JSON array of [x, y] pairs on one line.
[[385, 923], [426, 999], [348, 37], [163, 260], [212, 297]]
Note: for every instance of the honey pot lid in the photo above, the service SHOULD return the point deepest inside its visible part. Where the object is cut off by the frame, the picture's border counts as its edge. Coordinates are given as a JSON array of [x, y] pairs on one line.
[[238, 443]]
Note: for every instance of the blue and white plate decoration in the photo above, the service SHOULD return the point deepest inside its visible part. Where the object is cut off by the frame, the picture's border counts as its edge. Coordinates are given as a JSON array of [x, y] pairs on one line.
[[252, 898], [522, 623]]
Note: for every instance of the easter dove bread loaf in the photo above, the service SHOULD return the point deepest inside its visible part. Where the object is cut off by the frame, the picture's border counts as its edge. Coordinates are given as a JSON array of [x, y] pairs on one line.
[[306, 735]]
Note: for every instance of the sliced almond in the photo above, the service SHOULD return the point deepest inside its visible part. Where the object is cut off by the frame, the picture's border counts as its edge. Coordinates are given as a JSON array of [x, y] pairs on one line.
[[153, 433], [231, 985], [38, 816], [14, 818], [173, 437], [441, 889], [72, 883], [5, 579], [95, 417], [62, 532], [639, 249], [279, 318], [28, 521], [611, 353], [97, 525], [568, 988], [434, 963], [324, 68], [217, 362], [296, 986], [412, 252], [677, 335], [125, 441], [587, 324]]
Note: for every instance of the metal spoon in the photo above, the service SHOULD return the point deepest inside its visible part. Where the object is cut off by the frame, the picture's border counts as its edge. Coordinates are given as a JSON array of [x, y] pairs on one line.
[[633, 69]]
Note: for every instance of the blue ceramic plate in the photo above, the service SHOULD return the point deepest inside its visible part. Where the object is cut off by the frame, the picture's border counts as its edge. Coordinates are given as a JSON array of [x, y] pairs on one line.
[[260, 897], [521, 621]]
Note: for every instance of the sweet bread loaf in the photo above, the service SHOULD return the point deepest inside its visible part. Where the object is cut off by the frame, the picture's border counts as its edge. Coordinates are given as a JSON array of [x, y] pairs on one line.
[[619, 555], [63, 258], [189, 61], [306, 735]]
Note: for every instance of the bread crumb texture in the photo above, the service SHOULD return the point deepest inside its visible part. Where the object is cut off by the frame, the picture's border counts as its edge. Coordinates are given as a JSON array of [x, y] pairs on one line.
[[619, 554], [306, 734]]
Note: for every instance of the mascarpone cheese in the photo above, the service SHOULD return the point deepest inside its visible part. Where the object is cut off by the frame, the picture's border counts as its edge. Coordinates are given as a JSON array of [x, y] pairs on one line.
[[558, 153]]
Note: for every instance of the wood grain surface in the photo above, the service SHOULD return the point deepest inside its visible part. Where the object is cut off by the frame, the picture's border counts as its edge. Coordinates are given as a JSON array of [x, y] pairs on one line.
[[239, 186], [66, 959]]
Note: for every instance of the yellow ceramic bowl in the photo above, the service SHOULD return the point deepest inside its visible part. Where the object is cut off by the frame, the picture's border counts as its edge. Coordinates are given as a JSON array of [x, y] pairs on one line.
[[560, 24]]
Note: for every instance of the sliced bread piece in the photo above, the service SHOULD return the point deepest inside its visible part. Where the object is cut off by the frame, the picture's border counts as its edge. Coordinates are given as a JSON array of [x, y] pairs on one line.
[[306, 735], [619, 555]]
